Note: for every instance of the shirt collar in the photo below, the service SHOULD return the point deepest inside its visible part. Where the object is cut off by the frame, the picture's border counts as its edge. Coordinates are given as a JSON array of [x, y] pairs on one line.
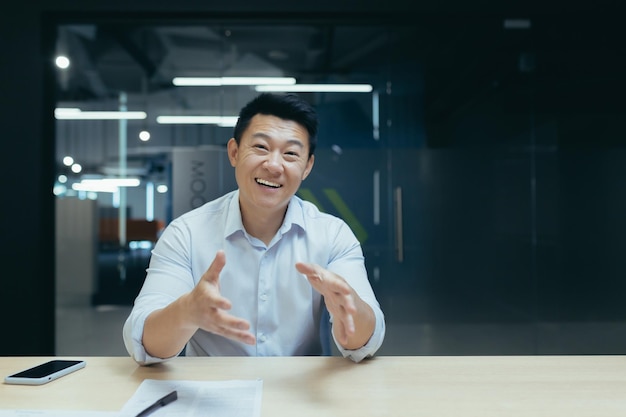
[[234, 223], [294, 215]]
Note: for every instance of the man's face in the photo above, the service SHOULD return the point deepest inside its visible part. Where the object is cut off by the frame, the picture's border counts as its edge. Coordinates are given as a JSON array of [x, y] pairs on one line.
[[270, 163]]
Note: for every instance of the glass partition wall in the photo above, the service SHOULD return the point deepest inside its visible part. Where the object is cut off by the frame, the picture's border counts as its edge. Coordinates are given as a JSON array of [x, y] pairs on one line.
[[479, 162]]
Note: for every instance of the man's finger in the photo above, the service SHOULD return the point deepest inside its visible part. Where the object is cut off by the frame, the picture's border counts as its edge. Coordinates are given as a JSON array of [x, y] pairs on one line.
[[306, 269], [340, 332], [243, 336], [312, 271], [323, 280], [350, 328], [212, 274]]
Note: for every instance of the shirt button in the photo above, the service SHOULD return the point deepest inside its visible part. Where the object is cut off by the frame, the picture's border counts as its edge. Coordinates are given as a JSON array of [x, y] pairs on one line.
[[262, 338], [263, 297]]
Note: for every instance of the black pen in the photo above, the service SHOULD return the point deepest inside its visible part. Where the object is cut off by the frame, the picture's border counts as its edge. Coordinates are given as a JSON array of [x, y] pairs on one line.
[[171, 397]]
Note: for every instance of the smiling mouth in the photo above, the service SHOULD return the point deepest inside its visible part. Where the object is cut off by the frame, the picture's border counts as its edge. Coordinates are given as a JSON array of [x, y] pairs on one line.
[[267, 183]]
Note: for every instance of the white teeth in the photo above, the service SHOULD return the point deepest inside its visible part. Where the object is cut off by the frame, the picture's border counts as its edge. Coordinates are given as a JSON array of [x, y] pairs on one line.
[[269, 184]]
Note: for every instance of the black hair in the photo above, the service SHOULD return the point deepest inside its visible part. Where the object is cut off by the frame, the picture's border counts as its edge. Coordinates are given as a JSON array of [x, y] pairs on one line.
[[284, 106]]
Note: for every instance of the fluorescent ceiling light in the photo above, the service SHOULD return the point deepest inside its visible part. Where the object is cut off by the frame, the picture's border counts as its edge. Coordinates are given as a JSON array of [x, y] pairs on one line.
[[218, 81], [96, 188], [77, 114], [224, 121], [116, 182], [325, 88], [105, 185]]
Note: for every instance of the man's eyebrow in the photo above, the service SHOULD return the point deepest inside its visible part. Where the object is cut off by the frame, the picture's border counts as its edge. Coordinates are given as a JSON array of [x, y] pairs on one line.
[[260, 135], [296, 142]]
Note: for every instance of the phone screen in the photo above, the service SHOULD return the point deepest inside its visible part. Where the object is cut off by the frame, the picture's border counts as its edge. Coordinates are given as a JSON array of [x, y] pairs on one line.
[[44, 369]]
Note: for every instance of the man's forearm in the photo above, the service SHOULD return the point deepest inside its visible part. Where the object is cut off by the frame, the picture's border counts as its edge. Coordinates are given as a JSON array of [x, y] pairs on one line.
[[364, 324], [166, 331]]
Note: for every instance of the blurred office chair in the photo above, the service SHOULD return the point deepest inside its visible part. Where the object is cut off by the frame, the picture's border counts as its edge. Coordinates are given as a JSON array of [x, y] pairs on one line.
[[325, 329]]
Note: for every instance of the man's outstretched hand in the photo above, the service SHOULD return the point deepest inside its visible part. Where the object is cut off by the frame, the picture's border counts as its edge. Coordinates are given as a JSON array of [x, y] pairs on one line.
[[353, 319]]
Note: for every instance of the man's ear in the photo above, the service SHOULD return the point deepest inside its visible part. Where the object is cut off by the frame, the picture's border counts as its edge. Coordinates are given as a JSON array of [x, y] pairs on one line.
[[233, 149], [309, 167]]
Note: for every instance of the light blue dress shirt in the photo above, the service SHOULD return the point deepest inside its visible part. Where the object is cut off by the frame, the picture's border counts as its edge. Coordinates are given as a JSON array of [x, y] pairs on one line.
[[260, 280]]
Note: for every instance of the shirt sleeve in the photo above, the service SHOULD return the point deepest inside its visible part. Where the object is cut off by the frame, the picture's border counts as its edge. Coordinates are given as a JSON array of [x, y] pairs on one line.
[[133, 333], [372, 346], [348, 261], [168, 277]]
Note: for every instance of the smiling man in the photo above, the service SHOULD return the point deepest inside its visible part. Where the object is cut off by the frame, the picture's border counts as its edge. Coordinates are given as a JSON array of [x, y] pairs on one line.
[[251, 272]]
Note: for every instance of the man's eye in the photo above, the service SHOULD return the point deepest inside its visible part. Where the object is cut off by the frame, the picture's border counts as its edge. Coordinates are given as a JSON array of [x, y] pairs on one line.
[[292, 153]]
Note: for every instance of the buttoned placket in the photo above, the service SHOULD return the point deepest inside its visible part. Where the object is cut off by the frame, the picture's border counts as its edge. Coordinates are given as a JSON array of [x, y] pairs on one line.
[[263, 304]]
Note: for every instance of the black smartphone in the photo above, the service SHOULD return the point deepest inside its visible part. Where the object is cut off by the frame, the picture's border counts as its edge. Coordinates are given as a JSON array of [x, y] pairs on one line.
[[45, 372]]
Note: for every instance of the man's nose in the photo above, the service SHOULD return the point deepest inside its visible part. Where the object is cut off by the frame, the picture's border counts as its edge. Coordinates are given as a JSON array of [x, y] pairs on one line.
[[274, 161]]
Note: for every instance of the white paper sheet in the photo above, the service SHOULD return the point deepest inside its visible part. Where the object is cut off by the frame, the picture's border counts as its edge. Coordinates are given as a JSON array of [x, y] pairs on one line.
[[232, 398], [57, 413]]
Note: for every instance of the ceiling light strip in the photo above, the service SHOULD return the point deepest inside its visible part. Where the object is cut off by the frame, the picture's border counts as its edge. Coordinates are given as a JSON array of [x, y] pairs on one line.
[[219, 81], [311, 88], [77, 114], [96, 188], [200, 120], [114, 182]]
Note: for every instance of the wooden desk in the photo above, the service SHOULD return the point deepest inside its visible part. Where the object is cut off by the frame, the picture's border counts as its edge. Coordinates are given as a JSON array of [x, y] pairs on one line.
[[430, 386]]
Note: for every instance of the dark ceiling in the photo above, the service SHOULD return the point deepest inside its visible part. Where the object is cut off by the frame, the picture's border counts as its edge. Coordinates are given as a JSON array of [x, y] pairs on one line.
[[450, 60]]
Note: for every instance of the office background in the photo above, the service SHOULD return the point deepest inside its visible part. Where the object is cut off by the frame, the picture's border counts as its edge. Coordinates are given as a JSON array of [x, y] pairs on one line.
[[505, 142]]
